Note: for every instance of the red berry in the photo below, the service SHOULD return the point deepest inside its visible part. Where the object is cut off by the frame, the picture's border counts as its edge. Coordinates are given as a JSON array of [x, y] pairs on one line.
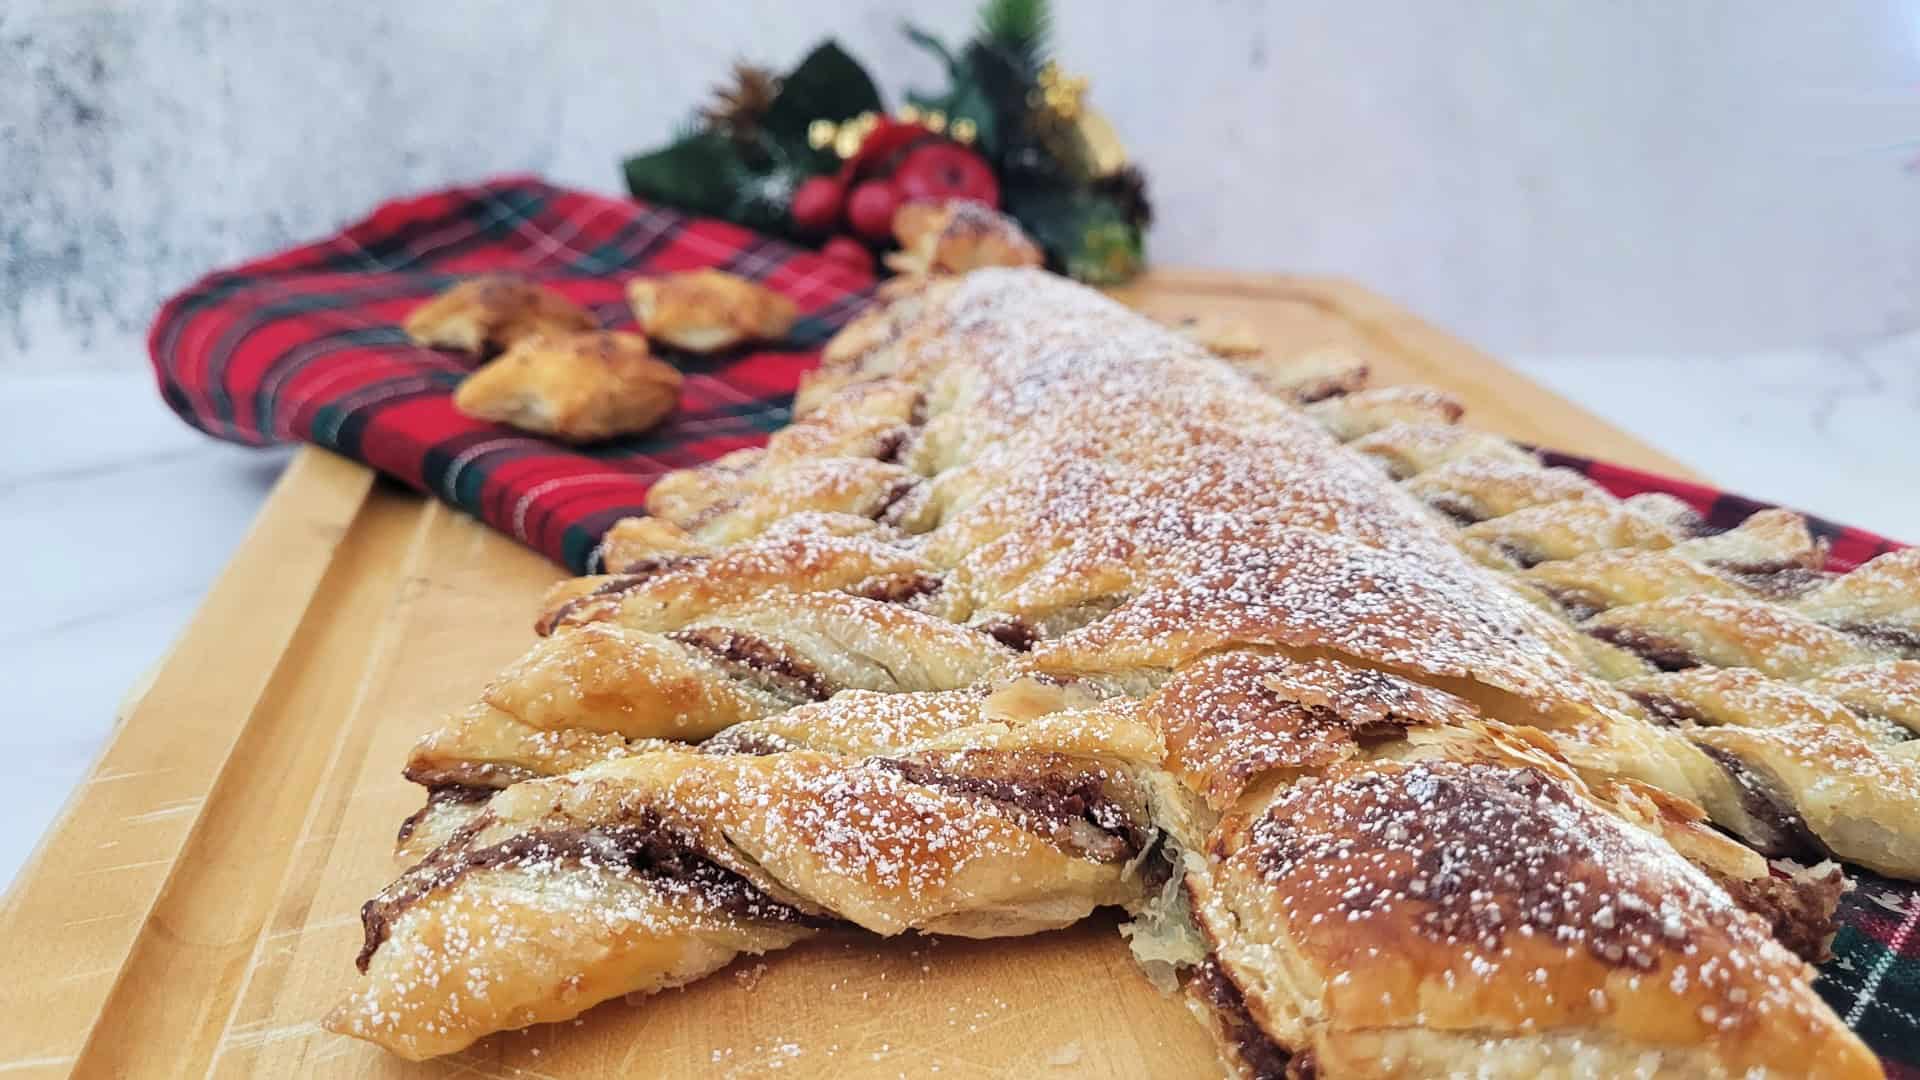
[[887, 138], [849, 252], [945, 170], [816, 205], [870, 208]]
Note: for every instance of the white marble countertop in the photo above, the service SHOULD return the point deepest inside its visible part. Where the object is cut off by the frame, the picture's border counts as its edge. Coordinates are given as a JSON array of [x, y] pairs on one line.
[[117, 517]]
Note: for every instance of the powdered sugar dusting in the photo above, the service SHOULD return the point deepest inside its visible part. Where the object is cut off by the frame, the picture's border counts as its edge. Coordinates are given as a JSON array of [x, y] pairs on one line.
[[1017, 461], [1506, 878]]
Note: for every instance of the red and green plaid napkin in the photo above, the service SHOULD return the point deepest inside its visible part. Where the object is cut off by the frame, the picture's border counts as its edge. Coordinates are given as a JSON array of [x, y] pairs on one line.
[[306, 346]]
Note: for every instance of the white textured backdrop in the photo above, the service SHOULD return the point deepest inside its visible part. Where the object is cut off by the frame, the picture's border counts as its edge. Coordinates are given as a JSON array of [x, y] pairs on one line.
[[1705, 176]]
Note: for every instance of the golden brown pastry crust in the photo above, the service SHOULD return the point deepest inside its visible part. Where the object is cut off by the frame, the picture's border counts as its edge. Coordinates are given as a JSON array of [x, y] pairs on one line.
[[1200, 593], [955, 236], [1417, 918], [485, 316], [1363, 412], [641, 873], [1222, 335], [579, 388], [709, 310]]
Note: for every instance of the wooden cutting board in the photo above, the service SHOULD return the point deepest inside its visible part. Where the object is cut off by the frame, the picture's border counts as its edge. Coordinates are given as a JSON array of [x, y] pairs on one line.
[[195, 908]]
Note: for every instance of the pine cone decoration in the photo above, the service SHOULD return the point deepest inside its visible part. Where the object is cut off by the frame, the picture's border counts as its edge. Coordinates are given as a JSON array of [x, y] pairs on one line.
[[737, 106]]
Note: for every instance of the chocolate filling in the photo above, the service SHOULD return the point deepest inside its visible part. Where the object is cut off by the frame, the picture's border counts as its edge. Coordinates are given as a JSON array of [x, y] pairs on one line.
[[892, 445], [1691, 524], [1329, 386], [1524, 558], [1800, 910], [1762, 799], [895, 502], [634, 575], [1455, 508], [440, 795], [1013, 632], [1062, 801], [1669, 711], [646, 849], [1578, 606], [1262, 1057], [1900, 638], [766, 663], [485, 775], [649, 566], [1779, 580], [899, 588], [712, 512], [1662, 652]]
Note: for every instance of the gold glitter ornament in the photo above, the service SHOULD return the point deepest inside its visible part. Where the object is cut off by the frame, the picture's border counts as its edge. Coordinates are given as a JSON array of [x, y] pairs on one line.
[[1061, 94], [845, 138], [1105, 155]]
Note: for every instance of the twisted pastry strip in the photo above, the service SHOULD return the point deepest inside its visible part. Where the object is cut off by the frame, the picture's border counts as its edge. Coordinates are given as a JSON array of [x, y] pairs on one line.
[[842, 457], [674, 861], [736, 663], [1804, 774], [662, 586], [646, 872]]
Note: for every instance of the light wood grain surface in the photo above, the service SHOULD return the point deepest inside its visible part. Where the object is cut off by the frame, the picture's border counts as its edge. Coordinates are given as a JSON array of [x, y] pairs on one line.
[[196, 907]]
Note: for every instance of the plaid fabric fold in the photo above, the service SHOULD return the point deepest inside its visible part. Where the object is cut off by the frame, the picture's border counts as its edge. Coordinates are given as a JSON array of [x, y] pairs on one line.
[[306, 346]]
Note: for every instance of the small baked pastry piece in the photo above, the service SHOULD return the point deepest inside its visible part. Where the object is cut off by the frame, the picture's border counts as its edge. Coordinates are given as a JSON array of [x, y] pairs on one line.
[[957, 235], [706, 311], [575, 387], [487, 315]]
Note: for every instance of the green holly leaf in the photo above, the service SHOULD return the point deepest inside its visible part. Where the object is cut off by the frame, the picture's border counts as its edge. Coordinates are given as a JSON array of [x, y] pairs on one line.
[[700, 172], [828, 85], [931, 44]]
